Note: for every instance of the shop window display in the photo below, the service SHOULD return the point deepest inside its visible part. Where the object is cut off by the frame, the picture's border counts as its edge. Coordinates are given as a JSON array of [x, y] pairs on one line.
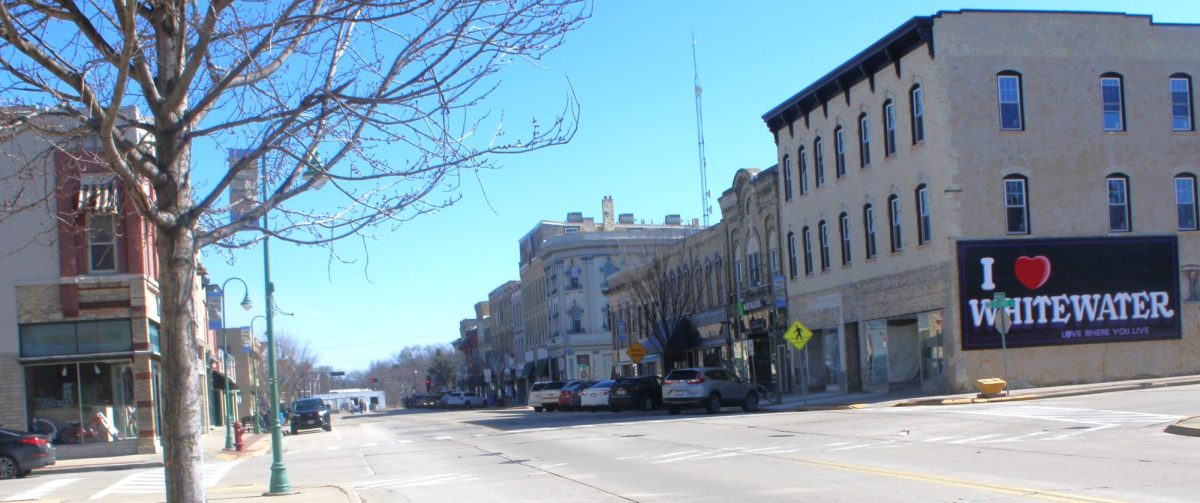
[[80, 403]]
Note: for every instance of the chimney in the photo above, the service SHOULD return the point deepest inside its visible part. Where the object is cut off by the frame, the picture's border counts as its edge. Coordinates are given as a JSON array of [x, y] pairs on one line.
[[672, 220], [606, 208], [625, 218]]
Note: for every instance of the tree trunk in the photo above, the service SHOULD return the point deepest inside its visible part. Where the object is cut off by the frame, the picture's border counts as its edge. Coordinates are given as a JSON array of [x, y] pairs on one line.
[[182, 401]]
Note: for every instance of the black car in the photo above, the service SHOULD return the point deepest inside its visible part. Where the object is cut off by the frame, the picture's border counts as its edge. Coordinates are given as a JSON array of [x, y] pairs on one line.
[[309, 413], [642, 392], [428, 400], [21, 452]]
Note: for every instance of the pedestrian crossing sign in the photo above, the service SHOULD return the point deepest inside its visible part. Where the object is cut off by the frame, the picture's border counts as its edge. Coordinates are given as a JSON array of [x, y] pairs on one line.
[[798, 335]]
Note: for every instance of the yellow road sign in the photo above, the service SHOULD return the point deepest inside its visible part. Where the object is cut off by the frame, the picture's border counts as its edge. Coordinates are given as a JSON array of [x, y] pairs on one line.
[[636, 351], [798, 335]]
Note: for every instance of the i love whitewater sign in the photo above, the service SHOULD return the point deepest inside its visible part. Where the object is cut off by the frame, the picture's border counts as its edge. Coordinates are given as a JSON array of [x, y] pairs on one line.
[[1070, 291]]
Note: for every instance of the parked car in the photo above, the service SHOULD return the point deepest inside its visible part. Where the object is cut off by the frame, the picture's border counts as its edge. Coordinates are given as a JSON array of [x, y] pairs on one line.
[[544, 395], [595, 397], [464, 399], [708, 387], [641, 392], [427, 400], [568, 397], [21, 452], [309, 413]]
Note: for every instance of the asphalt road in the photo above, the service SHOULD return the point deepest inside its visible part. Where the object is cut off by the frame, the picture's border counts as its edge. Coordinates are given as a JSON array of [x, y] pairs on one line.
[[1106, 447]]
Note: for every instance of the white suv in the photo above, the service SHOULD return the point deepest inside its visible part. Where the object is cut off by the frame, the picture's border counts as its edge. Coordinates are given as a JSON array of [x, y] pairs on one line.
[[464, 399], [544, 395], [707, 387]]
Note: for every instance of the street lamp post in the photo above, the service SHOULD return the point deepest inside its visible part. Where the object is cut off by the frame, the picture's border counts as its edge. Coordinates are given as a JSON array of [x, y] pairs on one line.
[[246, 304], [414, 381]]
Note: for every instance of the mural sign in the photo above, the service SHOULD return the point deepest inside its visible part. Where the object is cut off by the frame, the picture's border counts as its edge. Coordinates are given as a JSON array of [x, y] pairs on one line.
[[1070, 291]]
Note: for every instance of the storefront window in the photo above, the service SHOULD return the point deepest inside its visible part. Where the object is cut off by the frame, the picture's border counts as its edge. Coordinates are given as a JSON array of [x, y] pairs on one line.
[[80, 403], [929, 329], [91, 337], [833, 357]]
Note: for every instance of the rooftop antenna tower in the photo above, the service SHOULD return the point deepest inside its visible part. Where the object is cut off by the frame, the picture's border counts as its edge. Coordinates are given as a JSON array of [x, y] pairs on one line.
[[705, 209]]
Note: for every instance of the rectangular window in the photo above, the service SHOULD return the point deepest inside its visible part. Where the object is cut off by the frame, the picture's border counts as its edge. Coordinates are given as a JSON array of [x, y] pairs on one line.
[[102, 244], [1118, 204], [924, 234], [894, 216], [1185, 201], [808, 265], [774, 261], [824, 236], [818, 163], [1113, 108], [839, 144], [755, 270], [844, 230], [869, 230], [864, 141], [889, 129], [59, 339], [802, 171], [792, 268], [737, 273], [1009, 93], [918, 116], [1016, 209], [1181, 104]]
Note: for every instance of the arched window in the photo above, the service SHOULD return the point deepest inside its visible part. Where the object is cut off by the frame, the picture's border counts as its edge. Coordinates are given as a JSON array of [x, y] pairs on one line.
[[791, 244], [1185, 201], [786, 167], [806, 236], [1008, 95], [802, 170], [737, 268], [1181, 102], [823, 233], [889, 128], [839, 150], [924, 232], [1119, 217], [772, 254], [869, 230], [818, 163], [917, 102], [864, 140], [897, 241], [754, 260], [1016, 204], [844, 232], [1112, 101]]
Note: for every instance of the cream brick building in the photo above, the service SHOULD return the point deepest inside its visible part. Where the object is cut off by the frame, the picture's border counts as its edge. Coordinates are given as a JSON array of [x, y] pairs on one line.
[[1055, 153]]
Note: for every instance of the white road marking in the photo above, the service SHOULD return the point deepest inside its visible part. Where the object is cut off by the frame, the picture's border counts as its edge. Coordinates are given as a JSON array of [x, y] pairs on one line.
[[372, 444], [334, 448], [835, 444], [152, 480], [673, 454], [443, 438], [852, 447], [975, 439], [631, 457], [689, 456], [41, 490], [546, 467]]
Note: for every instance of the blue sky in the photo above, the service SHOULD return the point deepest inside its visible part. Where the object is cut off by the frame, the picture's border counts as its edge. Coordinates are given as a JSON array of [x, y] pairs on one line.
[[630, 67]]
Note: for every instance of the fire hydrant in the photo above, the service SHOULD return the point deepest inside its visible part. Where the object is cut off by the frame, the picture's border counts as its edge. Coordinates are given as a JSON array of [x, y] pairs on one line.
[[237, 436]]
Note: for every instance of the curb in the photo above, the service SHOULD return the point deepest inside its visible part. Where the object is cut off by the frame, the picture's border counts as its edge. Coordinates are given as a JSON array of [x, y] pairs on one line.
[[1179, 428], [1056, 394], [256, 448], [100, 467]]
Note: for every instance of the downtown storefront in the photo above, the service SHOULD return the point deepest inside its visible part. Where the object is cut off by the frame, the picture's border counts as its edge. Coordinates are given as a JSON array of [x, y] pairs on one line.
[[1084, 310]]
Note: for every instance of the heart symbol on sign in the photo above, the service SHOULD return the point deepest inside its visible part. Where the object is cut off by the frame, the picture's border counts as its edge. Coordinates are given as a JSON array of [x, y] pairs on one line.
[[1032, 272]]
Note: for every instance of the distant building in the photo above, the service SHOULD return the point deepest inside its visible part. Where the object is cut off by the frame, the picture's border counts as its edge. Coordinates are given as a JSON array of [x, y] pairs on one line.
[[1047, 156]]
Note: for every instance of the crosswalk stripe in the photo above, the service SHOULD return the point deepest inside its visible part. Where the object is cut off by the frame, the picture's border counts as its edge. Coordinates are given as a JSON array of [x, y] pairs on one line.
[[41, 490], [153, 480]]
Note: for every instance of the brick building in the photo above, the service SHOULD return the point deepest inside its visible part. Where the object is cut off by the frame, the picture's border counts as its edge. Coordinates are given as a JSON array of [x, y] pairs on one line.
[[1051, 157]]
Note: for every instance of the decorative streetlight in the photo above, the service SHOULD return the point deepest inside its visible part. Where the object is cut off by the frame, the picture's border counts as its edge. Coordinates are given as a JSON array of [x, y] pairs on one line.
[[415, 382], [246, 304]]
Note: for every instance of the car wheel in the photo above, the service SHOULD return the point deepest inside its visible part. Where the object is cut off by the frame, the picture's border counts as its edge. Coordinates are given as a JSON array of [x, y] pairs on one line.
[[673, 410], [328, 427], [8, 468], [750, 404], [537, 409], [713, 404], [647, 404]]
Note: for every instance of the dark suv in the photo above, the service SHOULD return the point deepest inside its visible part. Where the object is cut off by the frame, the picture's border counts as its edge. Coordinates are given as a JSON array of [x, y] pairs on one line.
[[642, 392], [309, 413]]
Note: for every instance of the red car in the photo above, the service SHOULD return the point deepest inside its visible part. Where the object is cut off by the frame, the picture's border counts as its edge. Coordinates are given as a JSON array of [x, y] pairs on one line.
[[568, 398]]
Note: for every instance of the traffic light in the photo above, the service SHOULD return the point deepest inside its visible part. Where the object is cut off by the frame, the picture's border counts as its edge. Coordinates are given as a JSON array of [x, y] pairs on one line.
[[428, 383]]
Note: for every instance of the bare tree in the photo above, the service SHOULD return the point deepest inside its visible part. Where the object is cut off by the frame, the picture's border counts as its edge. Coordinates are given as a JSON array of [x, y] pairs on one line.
[[296, 367], [661, 295], [296, 85]]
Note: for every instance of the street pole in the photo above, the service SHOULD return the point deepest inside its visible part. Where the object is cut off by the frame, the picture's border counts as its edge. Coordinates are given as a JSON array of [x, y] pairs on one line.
[[225, 359], [279, 479], [257, 392]]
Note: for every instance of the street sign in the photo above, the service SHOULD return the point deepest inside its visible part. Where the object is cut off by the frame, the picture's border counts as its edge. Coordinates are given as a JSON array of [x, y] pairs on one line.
[[798, 335], [1003, 321], [636, 352], [337, 373], [999, 301]]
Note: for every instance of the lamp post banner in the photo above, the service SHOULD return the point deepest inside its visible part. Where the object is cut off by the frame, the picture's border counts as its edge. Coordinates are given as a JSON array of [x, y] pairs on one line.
[[1070, 291], [212, 302]]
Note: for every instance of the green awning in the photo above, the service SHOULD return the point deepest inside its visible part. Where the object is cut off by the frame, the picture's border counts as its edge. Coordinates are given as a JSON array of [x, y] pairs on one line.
[[541, 368]]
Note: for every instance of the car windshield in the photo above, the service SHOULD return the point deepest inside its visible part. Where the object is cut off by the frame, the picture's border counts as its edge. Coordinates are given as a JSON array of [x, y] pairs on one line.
[[603, 384], [632, 381], [308, 405], [538, 386], [682, 375], [555, 385]]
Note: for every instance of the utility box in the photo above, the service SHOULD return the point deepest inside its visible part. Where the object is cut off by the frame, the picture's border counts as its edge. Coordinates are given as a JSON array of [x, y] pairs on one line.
[[991, 386]]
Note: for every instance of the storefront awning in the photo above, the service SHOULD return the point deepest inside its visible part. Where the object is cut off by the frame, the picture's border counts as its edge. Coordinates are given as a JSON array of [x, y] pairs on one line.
[[97, 195]]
